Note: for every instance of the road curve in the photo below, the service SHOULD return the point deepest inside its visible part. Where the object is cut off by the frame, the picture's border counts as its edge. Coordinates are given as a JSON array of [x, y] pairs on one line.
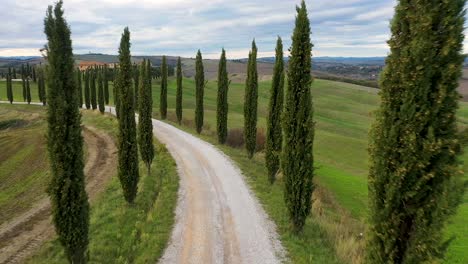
[[218, 219]]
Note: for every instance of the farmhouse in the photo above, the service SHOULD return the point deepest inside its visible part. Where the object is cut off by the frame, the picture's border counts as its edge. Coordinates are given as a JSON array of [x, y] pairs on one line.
[[83, 65]]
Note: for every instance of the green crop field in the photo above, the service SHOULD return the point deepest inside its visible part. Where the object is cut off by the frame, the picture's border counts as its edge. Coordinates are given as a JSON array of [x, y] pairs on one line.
[[343, 115]]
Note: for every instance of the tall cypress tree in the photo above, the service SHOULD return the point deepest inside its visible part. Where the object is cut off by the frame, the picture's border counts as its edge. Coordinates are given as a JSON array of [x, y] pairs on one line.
[[145, 124], [250, 103], [274, 139], [128, 150], [92, 80], [87, 92], [70, 208], [199, 92], [414, 183], [80, 89], [179, 91], [34, 74], [116, 92], [23, 82], [136, 77], [163, 96], [41, 85], [28, 91], [106, 84], [222, 109], [100, 82], [298, 126], [9, 86]]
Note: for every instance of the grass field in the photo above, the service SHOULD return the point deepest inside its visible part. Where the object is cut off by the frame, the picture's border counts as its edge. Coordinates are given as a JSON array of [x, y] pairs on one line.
[[23, 167], [119, 233], [343, 113]]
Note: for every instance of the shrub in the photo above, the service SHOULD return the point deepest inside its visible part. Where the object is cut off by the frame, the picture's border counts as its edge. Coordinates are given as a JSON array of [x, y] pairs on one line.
[[235, 138], [261, 140]]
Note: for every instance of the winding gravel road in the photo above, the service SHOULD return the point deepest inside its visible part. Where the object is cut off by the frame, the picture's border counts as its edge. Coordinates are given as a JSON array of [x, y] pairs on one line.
[[218, 219]]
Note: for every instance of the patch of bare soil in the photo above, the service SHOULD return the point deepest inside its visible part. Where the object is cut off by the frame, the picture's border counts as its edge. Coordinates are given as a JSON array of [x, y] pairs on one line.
[[24, 235]]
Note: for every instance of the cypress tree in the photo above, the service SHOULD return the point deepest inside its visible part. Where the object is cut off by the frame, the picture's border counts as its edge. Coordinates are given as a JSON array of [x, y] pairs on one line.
[[250, 103], [106, 85], [23, 82], [9, 86], [41, 86], [414, 183], [136, 77], [163, 96], [128, 150], [298, 126], [100, 82], [92, 78], [14, 73], [199, 86], [70, 208], [274, 138], [116, 92], [179, 91], [87, 91], [34, 74], [28, 70], [222, 110], [145, 124], [28, 91], [80, 89]]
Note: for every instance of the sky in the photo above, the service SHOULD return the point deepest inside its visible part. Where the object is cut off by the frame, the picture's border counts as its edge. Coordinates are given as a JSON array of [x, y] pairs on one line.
[[351, 28]]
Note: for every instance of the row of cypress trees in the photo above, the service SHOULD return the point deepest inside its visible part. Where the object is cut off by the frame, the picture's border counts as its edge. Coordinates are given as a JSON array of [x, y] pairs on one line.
[[26, 86], [413, 184], [96, 87]]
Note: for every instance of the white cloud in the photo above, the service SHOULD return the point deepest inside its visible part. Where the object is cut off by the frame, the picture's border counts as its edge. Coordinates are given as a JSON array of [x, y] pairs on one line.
[[181, 27]]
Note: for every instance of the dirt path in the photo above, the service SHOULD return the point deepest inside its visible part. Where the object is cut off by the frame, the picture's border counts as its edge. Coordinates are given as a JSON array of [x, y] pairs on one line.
[[23, 235], [218, 219]]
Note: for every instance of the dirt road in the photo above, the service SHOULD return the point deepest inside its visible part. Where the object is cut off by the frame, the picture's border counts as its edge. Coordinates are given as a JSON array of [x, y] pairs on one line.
[[218, 219], [23, 235]]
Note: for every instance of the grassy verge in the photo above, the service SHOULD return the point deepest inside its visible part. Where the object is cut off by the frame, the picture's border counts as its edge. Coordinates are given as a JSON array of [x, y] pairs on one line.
[[120, 233]]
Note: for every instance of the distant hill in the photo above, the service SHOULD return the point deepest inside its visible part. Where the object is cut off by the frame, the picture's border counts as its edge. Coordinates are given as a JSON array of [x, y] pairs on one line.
[[363, 70]]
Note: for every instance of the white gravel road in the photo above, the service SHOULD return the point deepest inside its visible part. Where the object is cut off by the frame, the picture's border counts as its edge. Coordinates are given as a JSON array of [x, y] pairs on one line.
[[218, 219]]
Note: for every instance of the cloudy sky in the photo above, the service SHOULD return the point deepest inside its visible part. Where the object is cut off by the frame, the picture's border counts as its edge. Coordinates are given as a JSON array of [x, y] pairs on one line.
[[180, 27]]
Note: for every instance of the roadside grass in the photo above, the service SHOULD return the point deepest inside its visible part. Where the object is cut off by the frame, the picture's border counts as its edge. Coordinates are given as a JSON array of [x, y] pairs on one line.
[[119, 233], [23, 165], [122, 233]]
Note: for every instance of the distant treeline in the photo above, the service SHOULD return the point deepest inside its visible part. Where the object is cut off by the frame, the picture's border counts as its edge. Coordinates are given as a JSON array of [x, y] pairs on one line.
[[368, 83]]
